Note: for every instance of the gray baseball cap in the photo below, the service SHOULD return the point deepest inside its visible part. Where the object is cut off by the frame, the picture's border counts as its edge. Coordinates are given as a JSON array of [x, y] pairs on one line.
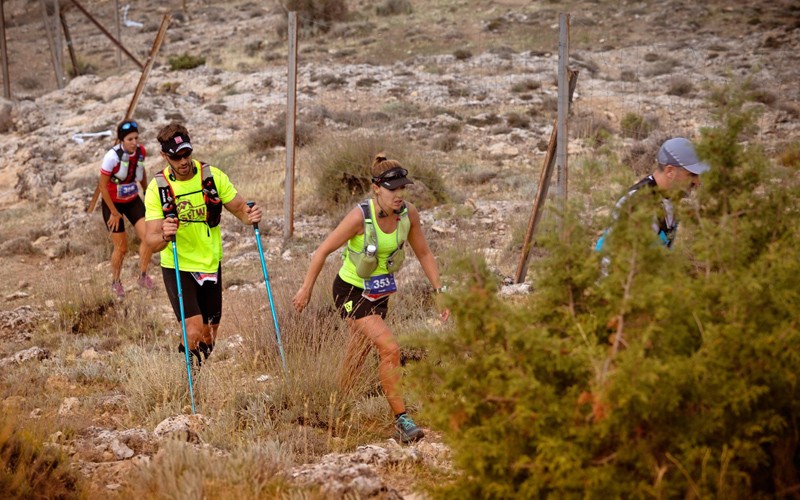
[[680, 152]]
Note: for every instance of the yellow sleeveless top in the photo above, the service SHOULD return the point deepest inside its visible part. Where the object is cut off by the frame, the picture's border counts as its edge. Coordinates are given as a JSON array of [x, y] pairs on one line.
[[387, 243]]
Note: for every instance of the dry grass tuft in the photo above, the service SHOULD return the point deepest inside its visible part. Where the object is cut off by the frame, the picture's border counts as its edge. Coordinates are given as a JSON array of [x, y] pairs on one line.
[[30, 469], [320, 388], [155, 383], [180, 470]]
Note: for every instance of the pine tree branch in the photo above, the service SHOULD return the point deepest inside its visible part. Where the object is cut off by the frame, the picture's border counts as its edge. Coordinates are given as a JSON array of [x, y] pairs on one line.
[[618, 336]]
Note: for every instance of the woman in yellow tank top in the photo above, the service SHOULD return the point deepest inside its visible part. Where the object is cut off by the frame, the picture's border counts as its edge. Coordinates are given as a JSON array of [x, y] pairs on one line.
[[361, 291]]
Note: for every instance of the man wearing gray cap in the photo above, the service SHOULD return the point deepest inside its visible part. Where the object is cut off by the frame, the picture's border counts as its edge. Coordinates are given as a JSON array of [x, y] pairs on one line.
[[678, 170]]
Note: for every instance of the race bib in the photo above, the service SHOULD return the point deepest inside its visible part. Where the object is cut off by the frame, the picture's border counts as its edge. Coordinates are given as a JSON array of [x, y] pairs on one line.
[[380, 286], [127, 190], [201, 278]]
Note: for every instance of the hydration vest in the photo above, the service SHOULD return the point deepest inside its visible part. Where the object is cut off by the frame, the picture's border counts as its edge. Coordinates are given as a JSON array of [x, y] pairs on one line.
[[395, 260], [207, 187], [137, 159]]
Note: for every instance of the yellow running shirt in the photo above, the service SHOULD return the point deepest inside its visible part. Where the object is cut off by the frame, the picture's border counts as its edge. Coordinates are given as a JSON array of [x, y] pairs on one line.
[[199, 246]]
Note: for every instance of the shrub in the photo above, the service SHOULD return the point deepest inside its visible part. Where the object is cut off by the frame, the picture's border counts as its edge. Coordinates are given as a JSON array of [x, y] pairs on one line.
[[17, 246], [526, 86], [217, 108], [317, 14], [185, 61], [517, 120], [84, 67], [628, 75], [29, 469], [680, 86], [342, 170], [661, 67], [273, 135], [669, 377], [790, 156], [594, 127], [462, 54], [445, 142], [30, 83], [635, 126], [394, 7]]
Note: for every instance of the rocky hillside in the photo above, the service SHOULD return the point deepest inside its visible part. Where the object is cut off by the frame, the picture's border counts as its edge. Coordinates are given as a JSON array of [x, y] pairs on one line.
[[469, 84]]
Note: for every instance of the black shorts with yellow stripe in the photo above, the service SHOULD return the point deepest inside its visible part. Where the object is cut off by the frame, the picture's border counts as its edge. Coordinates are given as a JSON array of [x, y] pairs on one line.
[[352, 304]]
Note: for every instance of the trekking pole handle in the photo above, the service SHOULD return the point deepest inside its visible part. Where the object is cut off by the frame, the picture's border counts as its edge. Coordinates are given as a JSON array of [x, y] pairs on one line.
[[172, 216], [250, 204]]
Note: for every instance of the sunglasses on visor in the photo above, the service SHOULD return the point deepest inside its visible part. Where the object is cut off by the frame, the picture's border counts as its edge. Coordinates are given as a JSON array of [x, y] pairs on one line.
[[180, 155], [129, 125], [389, 175]]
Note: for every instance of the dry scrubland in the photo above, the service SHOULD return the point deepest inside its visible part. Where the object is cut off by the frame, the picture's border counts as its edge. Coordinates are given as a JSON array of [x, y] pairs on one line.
[[462, 92]]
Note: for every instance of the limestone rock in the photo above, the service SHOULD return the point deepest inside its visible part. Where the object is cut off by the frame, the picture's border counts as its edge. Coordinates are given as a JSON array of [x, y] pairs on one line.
[[34, 353], [355, 473], [516, 289], [68, 406], [186, 427]]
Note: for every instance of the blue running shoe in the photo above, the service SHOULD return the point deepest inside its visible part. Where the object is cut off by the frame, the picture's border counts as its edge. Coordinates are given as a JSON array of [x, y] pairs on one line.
[[406, 430]]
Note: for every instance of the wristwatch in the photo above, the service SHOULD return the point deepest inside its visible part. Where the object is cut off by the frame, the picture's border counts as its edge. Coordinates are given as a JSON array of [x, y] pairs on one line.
[[441, 289]]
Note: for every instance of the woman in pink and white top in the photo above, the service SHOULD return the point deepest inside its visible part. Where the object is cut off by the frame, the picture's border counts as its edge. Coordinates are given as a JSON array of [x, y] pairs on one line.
[[121, 175]]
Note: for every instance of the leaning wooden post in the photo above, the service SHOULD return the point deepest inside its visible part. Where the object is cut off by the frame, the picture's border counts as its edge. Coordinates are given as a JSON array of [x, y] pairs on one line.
[[76, 70], [52, 44], [4, 53], [57, 35], [541, 193], [291, 122], [162, 30], [118, 25]]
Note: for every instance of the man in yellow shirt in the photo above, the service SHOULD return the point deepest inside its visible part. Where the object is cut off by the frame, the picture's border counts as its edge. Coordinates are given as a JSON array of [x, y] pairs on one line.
[[194, 193]]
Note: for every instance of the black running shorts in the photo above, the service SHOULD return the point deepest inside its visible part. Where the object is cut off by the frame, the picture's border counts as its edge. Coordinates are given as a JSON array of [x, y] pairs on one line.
[[351, 304], [205, 299], [133, 210]]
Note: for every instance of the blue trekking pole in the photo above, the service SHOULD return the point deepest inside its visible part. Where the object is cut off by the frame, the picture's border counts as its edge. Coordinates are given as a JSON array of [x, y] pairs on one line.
[[183, 315], [269, 290]]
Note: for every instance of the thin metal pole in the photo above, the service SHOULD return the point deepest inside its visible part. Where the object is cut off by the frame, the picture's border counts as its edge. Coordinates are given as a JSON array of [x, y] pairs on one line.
[[4, 53], [76, 70], [51, 43], [107, 34], [563, 109], [291, 123], [119, 32]]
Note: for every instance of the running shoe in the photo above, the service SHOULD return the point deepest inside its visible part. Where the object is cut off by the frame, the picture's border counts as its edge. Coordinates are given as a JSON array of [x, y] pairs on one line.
[[145, 282], [118, 290], [406, 430]]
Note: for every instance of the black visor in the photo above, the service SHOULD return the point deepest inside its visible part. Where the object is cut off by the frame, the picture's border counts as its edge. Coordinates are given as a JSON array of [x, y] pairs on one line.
[[393, 179], [178, 142]]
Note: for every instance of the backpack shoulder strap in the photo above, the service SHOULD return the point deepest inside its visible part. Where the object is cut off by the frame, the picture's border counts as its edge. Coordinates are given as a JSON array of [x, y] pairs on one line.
[[370, 236], [210, 195], [165, 193], [403, 226]]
